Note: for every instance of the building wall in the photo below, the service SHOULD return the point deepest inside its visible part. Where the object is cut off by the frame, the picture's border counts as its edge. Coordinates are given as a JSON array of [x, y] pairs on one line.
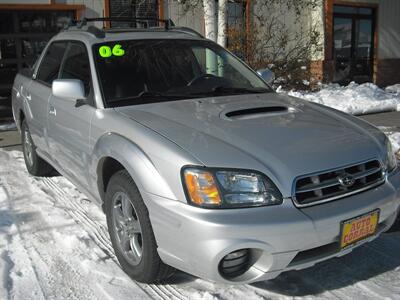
[[299, 28], [185, 16], [388, 26], [93, 8], [389, 29], [296, 25], [388, 64], [193, 18]]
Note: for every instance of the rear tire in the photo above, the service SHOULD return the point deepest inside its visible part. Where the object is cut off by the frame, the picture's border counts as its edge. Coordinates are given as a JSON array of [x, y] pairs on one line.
[[35, 165], [131, 232]]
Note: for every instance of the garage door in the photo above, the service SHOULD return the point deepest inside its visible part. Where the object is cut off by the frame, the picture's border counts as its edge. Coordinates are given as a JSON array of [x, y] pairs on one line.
[[23, 35]]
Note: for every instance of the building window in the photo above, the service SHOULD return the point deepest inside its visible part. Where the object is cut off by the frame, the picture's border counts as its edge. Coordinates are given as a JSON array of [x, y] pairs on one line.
[[353, 44], [23, 36], [133, 9], [236, 27]]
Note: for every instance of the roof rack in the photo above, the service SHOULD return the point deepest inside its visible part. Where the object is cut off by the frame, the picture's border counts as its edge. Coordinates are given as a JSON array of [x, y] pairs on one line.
[[100, 33], [83, 22]]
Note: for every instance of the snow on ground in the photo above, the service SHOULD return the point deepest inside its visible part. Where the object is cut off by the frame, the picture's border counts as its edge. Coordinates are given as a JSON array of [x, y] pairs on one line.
[[393, 89], [355, 98], [8, 126], [54, 245]]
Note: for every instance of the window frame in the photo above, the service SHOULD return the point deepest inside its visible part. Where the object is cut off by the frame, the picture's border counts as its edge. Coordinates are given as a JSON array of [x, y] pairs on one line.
[[88, 60], [90, 97], [40, 61]]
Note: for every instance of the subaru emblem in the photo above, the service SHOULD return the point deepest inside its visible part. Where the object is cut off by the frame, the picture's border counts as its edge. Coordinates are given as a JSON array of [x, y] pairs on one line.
[[346, 180]]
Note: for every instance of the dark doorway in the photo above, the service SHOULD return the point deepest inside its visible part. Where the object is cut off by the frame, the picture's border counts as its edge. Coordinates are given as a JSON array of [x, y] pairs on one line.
[[23, 35], [353, 44]]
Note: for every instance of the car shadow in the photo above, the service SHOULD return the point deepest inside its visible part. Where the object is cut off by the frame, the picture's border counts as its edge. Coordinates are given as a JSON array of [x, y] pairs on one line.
[[179, 278], [372, 260]]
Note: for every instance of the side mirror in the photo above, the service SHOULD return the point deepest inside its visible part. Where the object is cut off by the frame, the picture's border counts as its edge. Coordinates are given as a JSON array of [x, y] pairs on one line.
[[267, 75], [72, 89]]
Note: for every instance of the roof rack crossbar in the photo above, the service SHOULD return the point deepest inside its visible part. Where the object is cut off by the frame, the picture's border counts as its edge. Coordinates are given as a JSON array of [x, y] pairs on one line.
[[167, 22], [168, 25]]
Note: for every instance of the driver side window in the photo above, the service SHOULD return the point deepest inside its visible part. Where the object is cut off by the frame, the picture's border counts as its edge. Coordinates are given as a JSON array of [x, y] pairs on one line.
[[76, 65], [51, 62]]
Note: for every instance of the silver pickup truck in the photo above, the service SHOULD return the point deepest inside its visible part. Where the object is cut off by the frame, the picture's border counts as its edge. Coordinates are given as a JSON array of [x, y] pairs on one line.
[[198, 164]]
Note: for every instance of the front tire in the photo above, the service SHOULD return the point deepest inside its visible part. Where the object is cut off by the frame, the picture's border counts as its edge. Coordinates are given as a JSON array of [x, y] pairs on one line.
[[35, 165], [131, 232]]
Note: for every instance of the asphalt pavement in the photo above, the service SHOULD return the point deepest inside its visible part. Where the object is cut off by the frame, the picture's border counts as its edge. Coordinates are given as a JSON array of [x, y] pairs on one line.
[[388, 119]]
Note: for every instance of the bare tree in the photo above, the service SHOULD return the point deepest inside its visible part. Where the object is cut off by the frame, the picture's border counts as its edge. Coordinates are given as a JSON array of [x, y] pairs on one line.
[[215, 17], [222, 22], [285, 37], [210, 19]]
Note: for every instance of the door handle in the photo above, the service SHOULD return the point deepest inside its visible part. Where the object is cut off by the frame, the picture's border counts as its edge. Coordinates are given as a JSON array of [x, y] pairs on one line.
[[52, 111], [29, 97]]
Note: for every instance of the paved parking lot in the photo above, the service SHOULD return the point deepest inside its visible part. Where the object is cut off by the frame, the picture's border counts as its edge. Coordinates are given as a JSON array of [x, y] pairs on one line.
[[389, 119], [10, 140]]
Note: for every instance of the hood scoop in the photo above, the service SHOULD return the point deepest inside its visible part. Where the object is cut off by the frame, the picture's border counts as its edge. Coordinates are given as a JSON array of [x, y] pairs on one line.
[[257, 112]]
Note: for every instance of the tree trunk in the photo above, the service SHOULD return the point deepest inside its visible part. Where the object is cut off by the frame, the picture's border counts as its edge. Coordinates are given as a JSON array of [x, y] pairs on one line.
[[222, 21], [210, 19]]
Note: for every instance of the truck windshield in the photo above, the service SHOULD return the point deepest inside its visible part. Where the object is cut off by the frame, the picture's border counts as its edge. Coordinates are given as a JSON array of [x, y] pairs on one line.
[[135, 72]]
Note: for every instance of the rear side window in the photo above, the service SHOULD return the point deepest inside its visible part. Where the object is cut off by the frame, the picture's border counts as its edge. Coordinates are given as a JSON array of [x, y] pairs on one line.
[[76, 65], [51, 62]]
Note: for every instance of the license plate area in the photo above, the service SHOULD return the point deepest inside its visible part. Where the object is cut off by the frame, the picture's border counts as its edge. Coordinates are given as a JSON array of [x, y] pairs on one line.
[[359, 228]]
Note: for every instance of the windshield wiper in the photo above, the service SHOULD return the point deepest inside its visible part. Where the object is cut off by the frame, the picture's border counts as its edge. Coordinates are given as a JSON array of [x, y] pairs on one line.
[[148, 95], [221, 90], [228, 89]]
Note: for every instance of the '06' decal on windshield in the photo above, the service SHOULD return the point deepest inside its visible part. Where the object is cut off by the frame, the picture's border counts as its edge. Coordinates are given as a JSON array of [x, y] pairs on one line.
[[106, 51]]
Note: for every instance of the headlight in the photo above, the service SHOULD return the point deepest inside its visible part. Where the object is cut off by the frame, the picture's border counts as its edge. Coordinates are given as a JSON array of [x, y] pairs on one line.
[[228, 189], [390, 159]]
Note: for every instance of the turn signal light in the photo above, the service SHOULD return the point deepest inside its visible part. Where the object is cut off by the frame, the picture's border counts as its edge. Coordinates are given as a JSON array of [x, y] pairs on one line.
[[202, 188]]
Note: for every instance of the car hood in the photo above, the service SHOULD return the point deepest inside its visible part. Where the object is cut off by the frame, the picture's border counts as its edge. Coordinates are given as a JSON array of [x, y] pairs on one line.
[[281, 136]]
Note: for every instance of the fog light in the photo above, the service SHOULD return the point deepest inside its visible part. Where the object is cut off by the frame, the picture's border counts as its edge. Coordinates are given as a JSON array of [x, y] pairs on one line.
[[235, 263]]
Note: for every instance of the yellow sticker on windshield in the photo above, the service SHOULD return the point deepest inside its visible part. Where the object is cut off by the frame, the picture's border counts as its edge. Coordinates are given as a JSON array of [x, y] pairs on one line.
[[106, 51]]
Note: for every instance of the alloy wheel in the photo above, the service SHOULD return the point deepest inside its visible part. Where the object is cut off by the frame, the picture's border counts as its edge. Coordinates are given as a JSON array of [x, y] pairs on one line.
[[28, 147], [127, 227]]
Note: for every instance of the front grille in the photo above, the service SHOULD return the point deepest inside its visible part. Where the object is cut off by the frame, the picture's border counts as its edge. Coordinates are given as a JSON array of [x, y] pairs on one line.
[[323, 187], [315, 254], [324, 251]]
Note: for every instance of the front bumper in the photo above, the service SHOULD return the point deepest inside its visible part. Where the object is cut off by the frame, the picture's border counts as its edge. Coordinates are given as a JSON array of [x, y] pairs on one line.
[[281, 238]]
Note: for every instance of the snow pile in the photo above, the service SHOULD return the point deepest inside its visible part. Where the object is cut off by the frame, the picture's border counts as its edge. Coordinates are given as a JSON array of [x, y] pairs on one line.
[[355, 98], [7, 126], [395, 139], [395, 89]]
